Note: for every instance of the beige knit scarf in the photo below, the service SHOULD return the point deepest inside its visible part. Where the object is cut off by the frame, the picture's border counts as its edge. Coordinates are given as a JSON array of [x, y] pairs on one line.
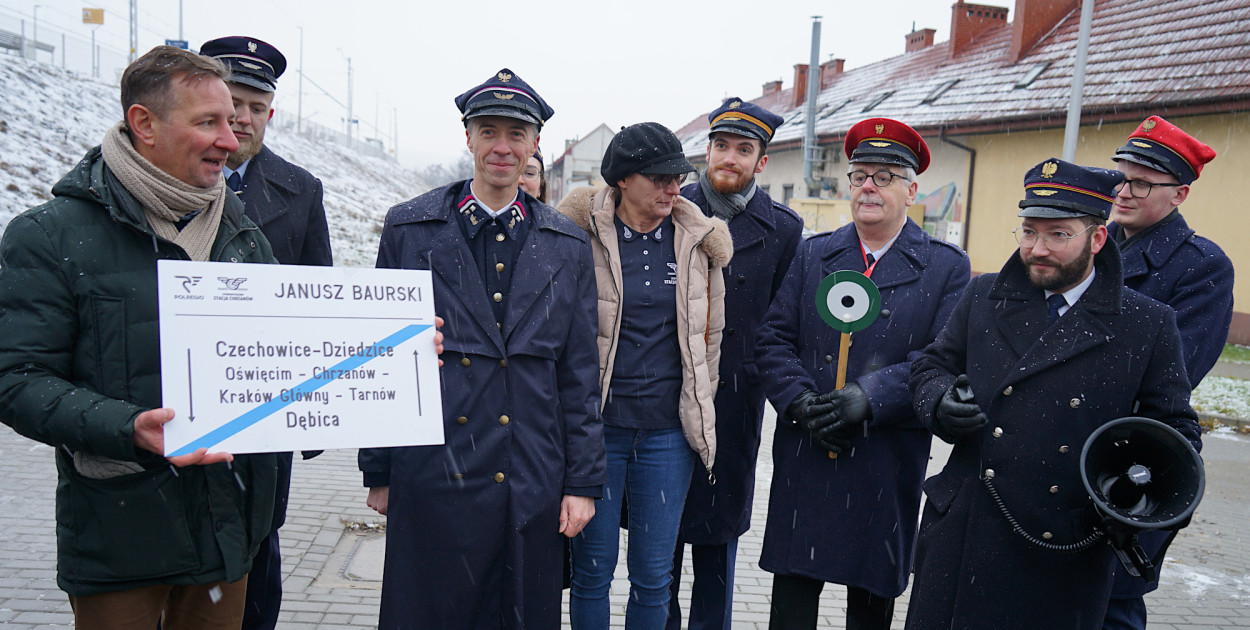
[[165, 198]]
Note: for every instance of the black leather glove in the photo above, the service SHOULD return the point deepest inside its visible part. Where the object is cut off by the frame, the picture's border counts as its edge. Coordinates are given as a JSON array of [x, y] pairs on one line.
[[836, 440], [957, 413], [811, 411], [850, 408]]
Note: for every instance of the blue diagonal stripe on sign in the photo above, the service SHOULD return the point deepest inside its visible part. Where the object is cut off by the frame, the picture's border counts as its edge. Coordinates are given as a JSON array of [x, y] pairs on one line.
[[229, 429]]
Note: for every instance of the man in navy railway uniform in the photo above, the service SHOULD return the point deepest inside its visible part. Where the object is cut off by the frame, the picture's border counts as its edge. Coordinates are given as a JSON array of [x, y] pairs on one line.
[[475, 526], [1036, 358], [765, 235], [1164, 259], [285, 201], [851, 519]]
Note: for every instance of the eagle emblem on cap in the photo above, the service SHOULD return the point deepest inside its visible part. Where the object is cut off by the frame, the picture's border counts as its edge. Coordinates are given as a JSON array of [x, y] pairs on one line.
[[1049, 169], [880, 145], [1143, 145], [1044, 193], [880, 128], [505, 77], [503, 96], [735, 105], [251, 47], [1148, 125]]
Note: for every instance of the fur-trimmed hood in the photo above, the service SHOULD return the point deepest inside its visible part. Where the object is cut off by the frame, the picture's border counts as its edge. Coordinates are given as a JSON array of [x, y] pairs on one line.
[[581, 202]]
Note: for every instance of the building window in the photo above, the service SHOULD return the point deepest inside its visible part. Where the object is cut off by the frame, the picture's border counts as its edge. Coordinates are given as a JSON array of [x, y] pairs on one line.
[[877, 101], [787, 192], [832, 109], [939, 91], [1032, 75]]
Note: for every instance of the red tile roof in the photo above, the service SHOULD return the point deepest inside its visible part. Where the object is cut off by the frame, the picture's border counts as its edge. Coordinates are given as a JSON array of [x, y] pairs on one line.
[[1145, 56]]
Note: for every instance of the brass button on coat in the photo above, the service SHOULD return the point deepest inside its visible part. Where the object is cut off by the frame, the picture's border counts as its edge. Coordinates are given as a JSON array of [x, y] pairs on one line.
[[1075, 402], [462, 420], [1007, 392], [1063, 449], [998, 432], [499, 237], [465, 362], [503, 420], [1054, 489], [498, 297], [498, 266], [457, 476], [989, 473], [1047, 535], [503, 363], [498, 477]]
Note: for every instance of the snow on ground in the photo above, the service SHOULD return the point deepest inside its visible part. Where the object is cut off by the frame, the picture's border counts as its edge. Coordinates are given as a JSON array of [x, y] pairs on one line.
[[50, 118], [1204, 583], [1222, 395]]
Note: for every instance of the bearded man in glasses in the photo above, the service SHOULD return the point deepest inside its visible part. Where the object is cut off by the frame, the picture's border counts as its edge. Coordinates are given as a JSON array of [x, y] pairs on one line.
[[851, 519], [1164, 259], [1035, 359]]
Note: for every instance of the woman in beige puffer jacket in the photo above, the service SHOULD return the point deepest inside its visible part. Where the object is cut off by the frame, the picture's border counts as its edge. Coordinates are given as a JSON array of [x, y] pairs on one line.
[[661, 312]]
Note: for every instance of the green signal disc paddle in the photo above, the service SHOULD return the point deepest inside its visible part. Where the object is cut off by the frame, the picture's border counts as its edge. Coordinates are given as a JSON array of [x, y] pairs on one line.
[[848, 301]]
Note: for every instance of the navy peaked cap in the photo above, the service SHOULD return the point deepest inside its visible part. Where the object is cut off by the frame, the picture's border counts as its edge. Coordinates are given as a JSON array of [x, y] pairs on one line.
[[740, 117], [1056, 189], [252, 62], [504, 94]]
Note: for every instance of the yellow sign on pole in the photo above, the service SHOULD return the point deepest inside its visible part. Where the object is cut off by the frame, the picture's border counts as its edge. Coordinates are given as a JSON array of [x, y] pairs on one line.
[[93, 16]]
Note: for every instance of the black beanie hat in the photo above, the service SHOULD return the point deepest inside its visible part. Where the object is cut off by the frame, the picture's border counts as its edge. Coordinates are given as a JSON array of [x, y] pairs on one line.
[[648, 148]]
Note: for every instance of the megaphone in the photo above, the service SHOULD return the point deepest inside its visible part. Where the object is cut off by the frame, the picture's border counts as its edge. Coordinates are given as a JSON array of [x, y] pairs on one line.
[[1142, 475]]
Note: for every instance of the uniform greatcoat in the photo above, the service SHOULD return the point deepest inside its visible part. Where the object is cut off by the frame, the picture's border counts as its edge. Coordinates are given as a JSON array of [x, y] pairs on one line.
[[472, 527], [765, 236], [1045, 388], [851, 520], [285, 201]]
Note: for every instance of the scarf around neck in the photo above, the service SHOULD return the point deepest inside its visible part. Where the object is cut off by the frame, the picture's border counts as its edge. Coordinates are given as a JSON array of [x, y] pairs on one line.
[[165, 198], [726, 206]]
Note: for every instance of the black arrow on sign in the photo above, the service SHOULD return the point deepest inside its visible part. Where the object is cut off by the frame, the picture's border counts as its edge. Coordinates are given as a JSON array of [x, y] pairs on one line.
[[416, 362], [190, 390]]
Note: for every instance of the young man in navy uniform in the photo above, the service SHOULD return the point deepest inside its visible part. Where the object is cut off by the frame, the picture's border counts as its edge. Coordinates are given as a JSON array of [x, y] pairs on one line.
[[851, 520], [285, 201], [1164, 259], [474, 526], [1034, 360], [765, 235]]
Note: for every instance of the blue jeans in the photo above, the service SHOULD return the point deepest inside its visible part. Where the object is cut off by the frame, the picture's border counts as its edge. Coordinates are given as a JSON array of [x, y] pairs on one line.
[[651, 471]]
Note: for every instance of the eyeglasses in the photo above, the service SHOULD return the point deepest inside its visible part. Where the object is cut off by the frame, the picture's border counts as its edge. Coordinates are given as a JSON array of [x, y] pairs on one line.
[[1140, 188], [663, 181], [531, 174], [881, 178], [1056, 240]]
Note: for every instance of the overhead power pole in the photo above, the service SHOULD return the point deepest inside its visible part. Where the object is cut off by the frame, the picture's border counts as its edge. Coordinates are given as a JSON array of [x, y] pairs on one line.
[[134, 30]]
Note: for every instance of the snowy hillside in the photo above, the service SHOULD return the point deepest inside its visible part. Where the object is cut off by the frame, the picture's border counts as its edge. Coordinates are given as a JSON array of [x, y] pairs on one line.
[[49, 118]]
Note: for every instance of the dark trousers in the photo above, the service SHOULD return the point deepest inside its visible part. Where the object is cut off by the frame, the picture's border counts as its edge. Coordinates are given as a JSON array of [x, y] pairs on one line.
[[215, 606], [1128, 613], [711, 596], [264, 586], [796, 604]]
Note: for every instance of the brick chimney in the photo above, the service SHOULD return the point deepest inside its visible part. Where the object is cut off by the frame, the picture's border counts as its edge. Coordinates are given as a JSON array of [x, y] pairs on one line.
[[1033, 19], [829, 71], [920, 40], [772, 87], [800, 84], [970, 20]]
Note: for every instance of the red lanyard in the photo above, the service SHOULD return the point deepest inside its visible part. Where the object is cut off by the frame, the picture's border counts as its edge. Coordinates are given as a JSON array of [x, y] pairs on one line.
[[867, 268]]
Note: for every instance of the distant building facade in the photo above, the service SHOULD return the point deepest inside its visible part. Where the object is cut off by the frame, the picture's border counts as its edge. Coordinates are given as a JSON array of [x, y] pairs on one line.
[[579, 164]]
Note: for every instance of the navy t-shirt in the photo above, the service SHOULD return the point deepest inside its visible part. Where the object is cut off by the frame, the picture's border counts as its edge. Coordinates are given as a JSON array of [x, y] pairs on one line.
[[645, 392]]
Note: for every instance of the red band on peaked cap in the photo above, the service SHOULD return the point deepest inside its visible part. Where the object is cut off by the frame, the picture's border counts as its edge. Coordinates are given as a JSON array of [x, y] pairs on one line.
[[1168, 146], [886, 141]]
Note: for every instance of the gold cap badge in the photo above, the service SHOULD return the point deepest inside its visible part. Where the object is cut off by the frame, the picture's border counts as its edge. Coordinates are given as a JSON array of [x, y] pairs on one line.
[[1044, 193], [503, 96], [1142, 145], [505, 77], [1049, 169], [251, 47], [880, 145], [735, 105], [880, 128], [1148, 125]]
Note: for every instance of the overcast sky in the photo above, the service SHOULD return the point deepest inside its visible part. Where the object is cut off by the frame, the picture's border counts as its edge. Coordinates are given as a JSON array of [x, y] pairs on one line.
[[595, 62]]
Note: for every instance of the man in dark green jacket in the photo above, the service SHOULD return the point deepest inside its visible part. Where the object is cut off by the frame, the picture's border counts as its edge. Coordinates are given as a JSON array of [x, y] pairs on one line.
[[139, 537]]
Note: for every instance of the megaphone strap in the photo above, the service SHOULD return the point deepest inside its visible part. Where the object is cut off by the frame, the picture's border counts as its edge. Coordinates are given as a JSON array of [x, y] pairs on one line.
[[1080, 545]]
